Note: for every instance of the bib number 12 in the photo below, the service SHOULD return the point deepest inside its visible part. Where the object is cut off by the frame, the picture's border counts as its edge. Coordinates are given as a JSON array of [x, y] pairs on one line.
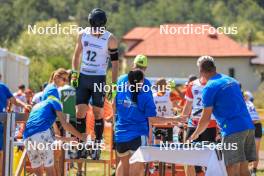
[[91, 55]]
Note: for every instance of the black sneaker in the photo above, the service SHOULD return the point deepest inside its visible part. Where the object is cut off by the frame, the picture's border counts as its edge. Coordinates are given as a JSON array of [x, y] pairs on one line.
[[96, 154]]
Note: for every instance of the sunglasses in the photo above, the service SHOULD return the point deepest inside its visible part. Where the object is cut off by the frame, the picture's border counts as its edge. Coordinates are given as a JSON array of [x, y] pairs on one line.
[[63, 79]]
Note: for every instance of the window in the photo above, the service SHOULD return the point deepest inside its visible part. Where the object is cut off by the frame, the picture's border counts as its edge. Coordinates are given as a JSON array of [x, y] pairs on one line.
[[231, 72]]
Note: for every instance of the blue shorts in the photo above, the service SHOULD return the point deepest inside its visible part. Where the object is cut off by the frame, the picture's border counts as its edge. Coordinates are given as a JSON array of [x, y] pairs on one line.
[[1, 136]]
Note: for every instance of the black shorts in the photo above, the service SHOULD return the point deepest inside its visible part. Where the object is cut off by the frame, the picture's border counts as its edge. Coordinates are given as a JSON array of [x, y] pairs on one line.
[[208, 135], [258, 130], [126, 148], [164, 133], [91, 87]]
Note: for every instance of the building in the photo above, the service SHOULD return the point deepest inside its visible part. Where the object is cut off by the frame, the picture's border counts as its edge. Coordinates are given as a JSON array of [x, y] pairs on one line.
[[176, 55], [14, 69], [258, 62]]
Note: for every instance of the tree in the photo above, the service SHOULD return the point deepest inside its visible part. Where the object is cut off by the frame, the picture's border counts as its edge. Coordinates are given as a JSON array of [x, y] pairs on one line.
[[47, 52]]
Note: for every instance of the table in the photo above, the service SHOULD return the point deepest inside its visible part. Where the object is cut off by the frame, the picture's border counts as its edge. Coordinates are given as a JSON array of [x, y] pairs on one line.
[[199, 157]]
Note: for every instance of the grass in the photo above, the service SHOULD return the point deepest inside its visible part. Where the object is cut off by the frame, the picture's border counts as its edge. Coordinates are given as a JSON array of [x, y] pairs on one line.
[[93, 169]]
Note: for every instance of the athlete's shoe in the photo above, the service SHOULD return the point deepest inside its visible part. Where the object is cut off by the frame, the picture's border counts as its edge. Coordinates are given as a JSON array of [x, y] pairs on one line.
[[83, 153], [96, 153], [73, 154]]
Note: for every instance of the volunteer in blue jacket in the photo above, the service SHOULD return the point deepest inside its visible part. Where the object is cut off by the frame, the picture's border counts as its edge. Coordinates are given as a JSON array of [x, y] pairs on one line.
[[5, 96], [134, 111], [38, 132], [222, 97]]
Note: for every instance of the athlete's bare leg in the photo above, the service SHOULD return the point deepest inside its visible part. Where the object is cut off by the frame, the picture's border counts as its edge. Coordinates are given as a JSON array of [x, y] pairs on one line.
[[136, 169], [255, 163], [233, 169], [123, 166], [244, 170], [81, 110]]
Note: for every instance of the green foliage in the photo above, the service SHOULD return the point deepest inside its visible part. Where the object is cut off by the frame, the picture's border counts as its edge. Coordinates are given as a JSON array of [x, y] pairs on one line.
[[53, 51], [45, 45], [40, 72], [47, 52]]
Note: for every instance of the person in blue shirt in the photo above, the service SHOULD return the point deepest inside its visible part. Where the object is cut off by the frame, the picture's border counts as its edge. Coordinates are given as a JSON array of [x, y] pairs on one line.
[[135, 110], [57, 79], [140, 63], [37, 131], [222, 96], [5, 97]]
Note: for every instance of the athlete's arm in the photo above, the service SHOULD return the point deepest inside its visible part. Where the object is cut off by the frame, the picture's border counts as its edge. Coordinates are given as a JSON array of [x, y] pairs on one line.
[[56, 129], [113, 51], [68, 126], [77, 53], [158, 120], [203, 123], [187, 109], [18, 102]]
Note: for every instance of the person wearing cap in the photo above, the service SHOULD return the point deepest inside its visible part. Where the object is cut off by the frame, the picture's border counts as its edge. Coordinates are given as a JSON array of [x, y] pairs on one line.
[[223, 98], [98, 47], [140, 63]]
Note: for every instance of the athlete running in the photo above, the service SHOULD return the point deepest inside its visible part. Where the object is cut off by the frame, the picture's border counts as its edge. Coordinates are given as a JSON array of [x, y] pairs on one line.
[[258, 128], [193, 107], [97, 49]]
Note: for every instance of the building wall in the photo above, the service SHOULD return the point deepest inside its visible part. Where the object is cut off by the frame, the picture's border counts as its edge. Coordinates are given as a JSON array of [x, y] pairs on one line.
[[14, 71], [183, 67]]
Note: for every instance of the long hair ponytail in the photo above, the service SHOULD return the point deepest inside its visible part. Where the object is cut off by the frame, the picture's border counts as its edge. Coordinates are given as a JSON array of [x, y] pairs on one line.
[[135, 77], [58, 72]]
